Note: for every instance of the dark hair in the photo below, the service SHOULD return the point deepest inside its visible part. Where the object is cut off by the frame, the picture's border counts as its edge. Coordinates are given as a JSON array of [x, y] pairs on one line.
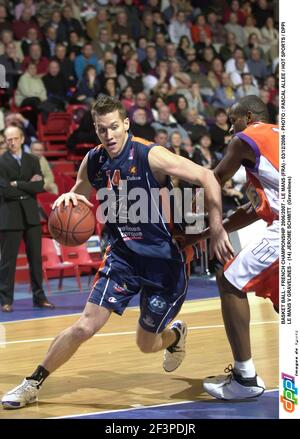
[[255, 105], [161, 131], [107, 104], [220, 111]]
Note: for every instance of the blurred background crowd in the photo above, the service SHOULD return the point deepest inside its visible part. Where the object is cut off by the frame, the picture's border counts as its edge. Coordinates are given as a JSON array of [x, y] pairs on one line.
[[177, 66]]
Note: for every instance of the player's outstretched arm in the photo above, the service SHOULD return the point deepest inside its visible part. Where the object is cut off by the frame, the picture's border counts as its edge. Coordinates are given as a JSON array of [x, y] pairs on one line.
[[242, 217], [80, 191], [162, 161], [237, 152]]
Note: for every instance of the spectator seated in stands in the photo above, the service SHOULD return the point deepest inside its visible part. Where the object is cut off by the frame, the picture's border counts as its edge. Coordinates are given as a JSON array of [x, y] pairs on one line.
[[13, 68], [70, 23], [206, 88], [37, 149], [127, 98], [140, 126], [20, 26], [181, 105], [86, 58], [56, 86], [35, 57], [218, 32], [272, 110], [163, 122], [7, 37], [270, 37], [110, 71], [158, 101], [257, 65], [132, 77], [254, 42], [247, 87], [66, 65], [240, 69], [250, 28], [195, 125], [110, 87], [45, 10], [85, 133], [227, 50], [161, 138], [214, 74], [207, 158], [235, 28], [225, 95], [102, 44], [179, 27], [141, 101], [150, 62], [192, 151], [88, 87], [219, 133], [96, 24], [31, 37]]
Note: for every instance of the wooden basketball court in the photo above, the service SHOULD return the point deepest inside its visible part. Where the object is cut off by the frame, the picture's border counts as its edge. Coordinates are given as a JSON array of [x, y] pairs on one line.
[[109, 373]]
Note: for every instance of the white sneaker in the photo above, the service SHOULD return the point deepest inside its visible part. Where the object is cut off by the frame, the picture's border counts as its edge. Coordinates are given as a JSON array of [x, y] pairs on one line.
[[24, 394], [233, 386], [173, 356]]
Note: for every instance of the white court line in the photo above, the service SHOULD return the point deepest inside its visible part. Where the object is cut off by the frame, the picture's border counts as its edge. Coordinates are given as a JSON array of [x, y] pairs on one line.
[[40, 318], [136, 408], [111, 334]]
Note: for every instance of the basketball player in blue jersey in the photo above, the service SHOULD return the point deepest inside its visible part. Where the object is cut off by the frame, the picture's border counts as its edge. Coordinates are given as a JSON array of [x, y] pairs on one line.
[[140, 258]]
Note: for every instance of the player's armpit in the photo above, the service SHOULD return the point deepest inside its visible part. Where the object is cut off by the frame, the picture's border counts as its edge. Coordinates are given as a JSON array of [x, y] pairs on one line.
[[237, 152]]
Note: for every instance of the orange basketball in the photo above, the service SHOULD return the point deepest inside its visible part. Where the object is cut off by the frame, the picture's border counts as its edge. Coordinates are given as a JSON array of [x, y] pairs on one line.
[[71, 225]]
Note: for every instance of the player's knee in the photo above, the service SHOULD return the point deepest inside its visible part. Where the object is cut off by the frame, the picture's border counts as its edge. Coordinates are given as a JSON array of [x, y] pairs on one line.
[[223, 284], [145, 346], [82, 332]]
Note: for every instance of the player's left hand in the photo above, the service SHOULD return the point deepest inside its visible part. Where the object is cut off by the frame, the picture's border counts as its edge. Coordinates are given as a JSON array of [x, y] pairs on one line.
[[220, 246]]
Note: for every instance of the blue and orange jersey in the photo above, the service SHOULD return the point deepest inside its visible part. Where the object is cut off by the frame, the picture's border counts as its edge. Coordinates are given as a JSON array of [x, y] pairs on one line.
[[263, 177], [152, 235]]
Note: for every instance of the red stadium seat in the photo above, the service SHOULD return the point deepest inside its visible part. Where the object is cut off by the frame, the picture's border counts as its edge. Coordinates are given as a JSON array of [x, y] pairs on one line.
[[64, 182], [79, 256], [54, 133], [15, 109], [64, 167], [51, 262]]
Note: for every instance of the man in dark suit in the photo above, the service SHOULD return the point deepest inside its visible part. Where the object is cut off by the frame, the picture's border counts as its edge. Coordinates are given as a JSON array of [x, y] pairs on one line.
[[20, 181]]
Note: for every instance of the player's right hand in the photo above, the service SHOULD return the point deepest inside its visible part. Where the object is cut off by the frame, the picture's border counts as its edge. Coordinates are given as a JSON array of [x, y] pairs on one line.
[[73, 197], [220, 246]]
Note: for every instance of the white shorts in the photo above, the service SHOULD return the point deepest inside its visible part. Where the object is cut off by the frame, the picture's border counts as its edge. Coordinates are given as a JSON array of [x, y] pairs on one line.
[[256, 267]]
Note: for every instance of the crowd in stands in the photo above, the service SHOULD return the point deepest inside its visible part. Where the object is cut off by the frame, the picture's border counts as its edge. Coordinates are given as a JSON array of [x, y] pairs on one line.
[[177, 66]]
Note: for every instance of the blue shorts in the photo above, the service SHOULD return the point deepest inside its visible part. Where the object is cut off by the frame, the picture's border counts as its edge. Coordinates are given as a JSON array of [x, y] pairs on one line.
[[162, 284]]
